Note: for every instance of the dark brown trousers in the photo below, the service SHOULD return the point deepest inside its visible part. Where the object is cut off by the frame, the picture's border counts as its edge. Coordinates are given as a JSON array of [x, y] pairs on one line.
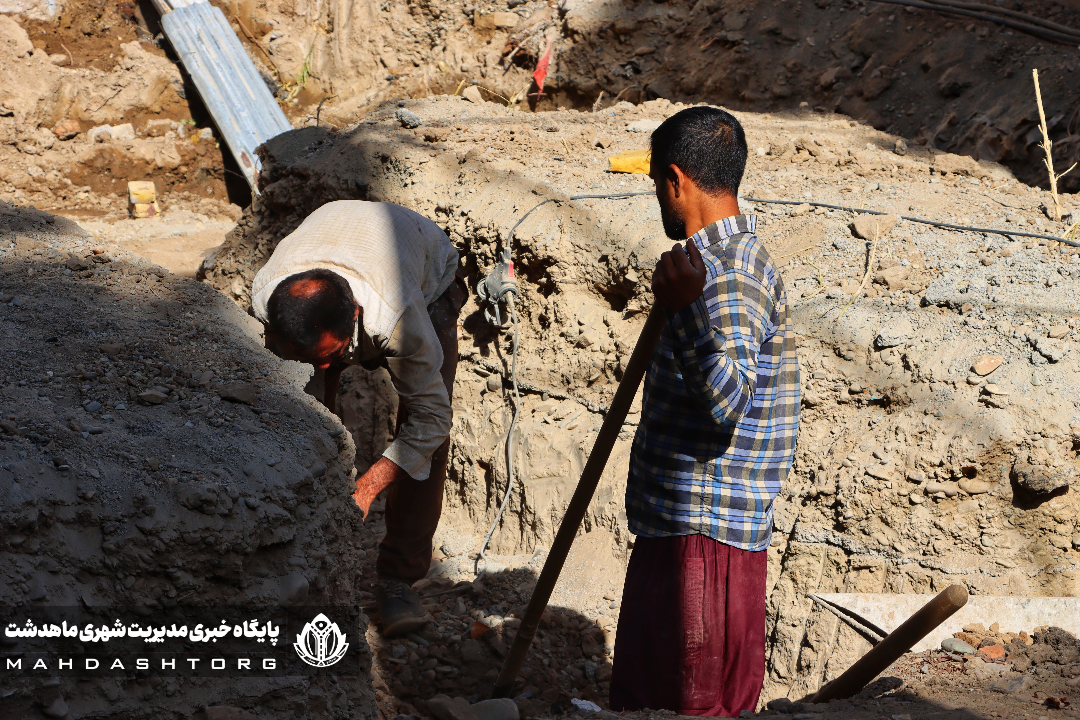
[[413, 507]]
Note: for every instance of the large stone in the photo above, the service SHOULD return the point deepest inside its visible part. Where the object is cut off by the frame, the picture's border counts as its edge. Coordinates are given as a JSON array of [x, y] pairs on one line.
[[974, 487], [1039, 479], [941, 291], [241, 392], [497, 709], [986, 364], [153, 397], [446, 708], [957, 645], [472, 94], [408, 118], [873, 227], [894, 278], [67, 129], [894, 334]]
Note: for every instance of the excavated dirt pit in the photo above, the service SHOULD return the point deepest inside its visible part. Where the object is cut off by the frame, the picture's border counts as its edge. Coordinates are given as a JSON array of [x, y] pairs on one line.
[[912, 473], [907, 474]]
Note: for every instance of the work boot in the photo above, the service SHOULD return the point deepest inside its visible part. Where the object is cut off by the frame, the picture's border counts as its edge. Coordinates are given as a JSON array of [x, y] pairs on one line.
[[399, 607]]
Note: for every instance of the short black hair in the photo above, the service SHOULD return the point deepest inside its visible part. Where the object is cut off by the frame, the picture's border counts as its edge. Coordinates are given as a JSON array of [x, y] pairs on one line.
[[305, 305], [706, 143]]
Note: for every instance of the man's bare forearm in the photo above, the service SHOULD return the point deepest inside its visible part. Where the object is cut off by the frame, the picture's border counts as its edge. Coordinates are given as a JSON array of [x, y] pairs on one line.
[[378, 477]]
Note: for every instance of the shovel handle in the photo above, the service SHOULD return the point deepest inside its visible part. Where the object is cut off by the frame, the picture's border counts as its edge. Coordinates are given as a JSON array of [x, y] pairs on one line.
[[579, 503]]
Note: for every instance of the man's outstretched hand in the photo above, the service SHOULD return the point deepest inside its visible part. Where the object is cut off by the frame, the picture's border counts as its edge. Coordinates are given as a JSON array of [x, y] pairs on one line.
[[374, 481], [679, 280]]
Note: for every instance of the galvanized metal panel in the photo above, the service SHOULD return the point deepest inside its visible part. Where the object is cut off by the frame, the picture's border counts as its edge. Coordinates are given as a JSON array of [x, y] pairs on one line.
[[236, 96]]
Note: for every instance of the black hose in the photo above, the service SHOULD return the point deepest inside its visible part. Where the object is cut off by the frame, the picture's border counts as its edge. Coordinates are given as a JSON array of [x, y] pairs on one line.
[[935, 223], [1015, 25]]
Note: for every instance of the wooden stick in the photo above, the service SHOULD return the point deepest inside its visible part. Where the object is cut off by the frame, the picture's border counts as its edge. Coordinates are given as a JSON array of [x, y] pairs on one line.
[[1047, 144], [579, 503]]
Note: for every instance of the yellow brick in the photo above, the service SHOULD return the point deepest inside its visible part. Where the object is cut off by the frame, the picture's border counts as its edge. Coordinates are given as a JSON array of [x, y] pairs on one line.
[[141, 191], [144, 210]]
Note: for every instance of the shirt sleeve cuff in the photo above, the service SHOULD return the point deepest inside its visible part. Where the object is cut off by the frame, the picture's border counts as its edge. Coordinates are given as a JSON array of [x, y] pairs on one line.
[[416, 465], [690, 324]]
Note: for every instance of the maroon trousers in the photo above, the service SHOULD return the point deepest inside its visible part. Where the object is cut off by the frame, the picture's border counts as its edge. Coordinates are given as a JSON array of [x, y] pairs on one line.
[[691, 634]]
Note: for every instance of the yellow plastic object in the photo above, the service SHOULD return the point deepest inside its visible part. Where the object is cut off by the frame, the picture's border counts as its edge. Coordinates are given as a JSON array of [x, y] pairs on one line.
[[631, 161]]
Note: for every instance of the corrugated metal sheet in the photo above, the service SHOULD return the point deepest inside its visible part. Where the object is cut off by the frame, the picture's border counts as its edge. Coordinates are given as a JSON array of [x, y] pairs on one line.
[[236, 96]]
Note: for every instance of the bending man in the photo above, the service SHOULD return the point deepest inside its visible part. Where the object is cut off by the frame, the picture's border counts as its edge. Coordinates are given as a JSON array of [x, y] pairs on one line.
[[375, 284], [716, 439]]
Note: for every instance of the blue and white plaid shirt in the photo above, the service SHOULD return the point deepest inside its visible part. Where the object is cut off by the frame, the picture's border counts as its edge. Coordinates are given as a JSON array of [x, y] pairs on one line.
[[720, 409]]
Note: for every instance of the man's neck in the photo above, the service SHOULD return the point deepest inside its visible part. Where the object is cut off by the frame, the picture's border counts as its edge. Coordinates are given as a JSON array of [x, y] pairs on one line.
[[710, 209]]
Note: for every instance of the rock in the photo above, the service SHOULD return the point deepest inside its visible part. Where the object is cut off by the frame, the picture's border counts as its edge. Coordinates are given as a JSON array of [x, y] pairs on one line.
[[900, 147], [974, 487], [871, 227], [642, 126], [92, 406], [158, 127], [967, 506], [496, 709], [1009, 686], [986, 364], [471, 652], [445, 708], [995, 389], [408, 118], [491, 21], [893, 334], [153, 397], [100, 134], [56, 709], [1057, 332], [940, 292], [472, 94], [125, 131], [881, 472], [957, 645], [67, 129], [895, 278], [241, 392], [949, 489], [227, 712], [1039, 479]]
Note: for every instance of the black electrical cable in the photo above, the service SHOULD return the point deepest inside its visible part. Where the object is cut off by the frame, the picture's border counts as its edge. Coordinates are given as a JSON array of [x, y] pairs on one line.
[[1068, 39], [935, 223]]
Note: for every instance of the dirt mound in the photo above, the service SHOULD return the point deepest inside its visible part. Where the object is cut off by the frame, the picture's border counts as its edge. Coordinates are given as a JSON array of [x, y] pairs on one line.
[[153, 455]]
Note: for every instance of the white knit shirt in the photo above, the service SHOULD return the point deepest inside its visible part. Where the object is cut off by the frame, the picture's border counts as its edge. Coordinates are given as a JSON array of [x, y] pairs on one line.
[[397, 262]]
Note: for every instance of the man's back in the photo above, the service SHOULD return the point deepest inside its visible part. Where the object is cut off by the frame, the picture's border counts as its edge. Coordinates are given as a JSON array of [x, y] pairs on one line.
[[713, 447], [390, 255]]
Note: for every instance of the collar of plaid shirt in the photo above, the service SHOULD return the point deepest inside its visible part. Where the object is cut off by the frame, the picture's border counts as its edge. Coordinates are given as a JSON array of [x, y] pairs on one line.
[[720, 404]]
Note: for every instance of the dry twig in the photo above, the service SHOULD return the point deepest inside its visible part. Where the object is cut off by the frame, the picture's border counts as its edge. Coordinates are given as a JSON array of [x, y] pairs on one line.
[[1047, 144], [869, 270]]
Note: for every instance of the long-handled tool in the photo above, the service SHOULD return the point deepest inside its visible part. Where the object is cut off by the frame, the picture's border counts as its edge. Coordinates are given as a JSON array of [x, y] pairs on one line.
[[895, 644], [579, 503]]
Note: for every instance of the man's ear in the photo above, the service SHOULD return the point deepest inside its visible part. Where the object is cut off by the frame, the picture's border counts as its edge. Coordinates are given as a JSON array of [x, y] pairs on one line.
[[679, 180]]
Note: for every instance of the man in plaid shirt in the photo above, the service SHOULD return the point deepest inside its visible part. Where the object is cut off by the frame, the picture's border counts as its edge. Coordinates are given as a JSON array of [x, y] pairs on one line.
[[715, 443]]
